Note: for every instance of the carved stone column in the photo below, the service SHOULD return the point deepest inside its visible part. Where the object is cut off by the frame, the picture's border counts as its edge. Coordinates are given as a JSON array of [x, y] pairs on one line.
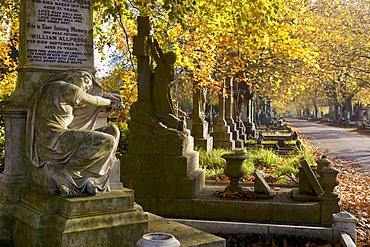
[[14, 175], [222, 137], [239, 105], [200, 126], [249, 118], [229, 108]]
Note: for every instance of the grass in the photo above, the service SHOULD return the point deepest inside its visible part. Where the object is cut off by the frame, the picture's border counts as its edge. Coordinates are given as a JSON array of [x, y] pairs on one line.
[[273, 167]]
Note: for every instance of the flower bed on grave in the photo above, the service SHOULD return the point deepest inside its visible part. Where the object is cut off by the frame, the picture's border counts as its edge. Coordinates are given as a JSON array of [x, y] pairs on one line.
[[274, 168]]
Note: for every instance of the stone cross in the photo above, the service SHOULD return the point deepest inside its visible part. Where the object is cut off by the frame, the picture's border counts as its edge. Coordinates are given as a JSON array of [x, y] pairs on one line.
[[142, 51]]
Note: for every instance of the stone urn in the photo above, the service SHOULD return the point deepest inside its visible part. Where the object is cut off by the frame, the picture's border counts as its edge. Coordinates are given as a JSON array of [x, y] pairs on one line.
[[234, 168], [322, 163], [329, 180], [158, 240]]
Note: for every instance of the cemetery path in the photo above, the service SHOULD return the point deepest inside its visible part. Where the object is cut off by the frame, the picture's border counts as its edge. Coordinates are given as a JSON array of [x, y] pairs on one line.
[[336, 141]]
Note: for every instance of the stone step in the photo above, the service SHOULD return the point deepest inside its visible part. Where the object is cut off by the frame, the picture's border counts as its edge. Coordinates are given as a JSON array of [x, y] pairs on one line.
[[115, 201], [107, 219]]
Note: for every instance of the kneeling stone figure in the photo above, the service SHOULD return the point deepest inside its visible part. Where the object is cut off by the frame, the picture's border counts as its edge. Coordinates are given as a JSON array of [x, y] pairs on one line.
[[61, 132]]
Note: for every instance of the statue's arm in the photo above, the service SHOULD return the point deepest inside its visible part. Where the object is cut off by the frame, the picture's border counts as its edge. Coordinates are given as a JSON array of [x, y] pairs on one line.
[[112, 96], [95, 100], [116, 100], [154, 49], [158, 48]]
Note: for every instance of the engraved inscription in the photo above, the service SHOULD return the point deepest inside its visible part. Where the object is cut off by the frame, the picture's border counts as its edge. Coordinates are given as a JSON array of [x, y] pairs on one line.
[[59, 32]]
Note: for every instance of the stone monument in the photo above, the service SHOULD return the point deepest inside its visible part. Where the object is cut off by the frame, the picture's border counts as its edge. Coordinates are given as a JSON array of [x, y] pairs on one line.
[[56, 157], [248, 117], [229, 112], [161, 162], [199, 125], [239, 109], [222, 136]]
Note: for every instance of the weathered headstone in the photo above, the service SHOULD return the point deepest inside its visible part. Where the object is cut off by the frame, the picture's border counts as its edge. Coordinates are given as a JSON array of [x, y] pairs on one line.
[[261, 187], [239, 105], [199, 128], [248, 117], [56, 36], [309, 186], [161, 162], [229, 109], [222, 136]]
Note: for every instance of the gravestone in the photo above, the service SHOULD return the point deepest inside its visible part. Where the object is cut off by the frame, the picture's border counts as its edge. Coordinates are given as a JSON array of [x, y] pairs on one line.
[[55, 35], [261, 187], [248, 117], [229, 112], [222, 136], [309, 186], [199, 128], [239, 105], [161, 161], [56, 38]]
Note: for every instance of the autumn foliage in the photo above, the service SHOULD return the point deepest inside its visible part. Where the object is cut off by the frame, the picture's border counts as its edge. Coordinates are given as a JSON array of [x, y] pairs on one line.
[[308, 52]]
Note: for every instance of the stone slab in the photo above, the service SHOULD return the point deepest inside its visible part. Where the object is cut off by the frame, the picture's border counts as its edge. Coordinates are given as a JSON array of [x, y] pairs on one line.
[[223, 144], [205, 143], [56, 35], [346, 240], [260, 185], [214, 227], [108, 219], [298, 196], [187, 236], [34, 229], [280, 209], [116, 201], [166, 187], [160, 175], [311, 177], [163, 165]]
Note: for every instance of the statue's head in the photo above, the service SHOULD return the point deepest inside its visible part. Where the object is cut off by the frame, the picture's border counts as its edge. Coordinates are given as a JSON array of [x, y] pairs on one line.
[[82, 79], [169, 57], [79, 77]]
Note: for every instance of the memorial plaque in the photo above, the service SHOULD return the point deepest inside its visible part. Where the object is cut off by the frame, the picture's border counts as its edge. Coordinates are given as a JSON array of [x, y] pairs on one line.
[[57, 33]]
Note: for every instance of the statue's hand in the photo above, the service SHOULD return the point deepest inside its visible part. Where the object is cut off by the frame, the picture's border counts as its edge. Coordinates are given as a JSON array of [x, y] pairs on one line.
[[112, 96], [117, 105]]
